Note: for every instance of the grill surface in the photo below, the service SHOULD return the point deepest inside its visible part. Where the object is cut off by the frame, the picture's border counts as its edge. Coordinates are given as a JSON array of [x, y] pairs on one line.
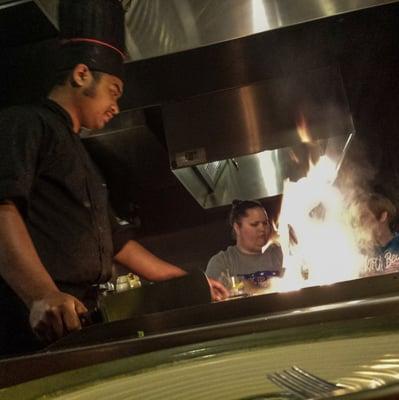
[[360, 300]]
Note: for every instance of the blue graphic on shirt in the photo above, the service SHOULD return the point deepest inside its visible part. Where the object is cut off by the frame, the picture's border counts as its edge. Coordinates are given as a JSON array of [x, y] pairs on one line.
[[385, 259]]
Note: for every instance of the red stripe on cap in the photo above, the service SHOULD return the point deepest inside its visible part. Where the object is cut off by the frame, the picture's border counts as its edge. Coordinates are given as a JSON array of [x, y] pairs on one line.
[[95, 41]]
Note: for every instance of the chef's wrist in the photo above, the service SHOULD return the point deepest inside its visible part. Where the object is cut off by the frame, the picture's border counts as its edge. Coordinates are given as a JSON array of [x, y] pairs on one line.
[[40, 294]]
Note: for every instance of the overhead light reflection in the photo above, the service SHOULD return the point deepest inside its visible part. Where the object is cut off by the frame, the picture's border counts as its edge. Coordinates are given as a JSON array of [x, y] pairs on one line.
[[268, 169], [259, 17]]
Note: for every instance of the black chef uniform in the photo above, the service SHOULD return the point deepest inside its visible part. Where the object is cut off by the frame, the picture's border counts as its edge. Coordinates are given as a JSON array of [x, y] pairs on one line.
[[46, 171]]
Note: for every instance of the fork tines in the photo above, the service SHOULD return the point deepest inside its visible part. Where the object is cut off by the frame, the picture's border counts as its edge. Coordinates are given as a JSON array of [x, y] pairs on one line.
[[302, 383]]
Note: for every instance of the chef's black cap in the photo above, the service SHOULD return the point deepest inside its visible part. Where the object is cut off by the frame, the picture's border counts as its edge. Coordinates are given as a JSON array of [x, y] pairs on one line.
[[92, 33]]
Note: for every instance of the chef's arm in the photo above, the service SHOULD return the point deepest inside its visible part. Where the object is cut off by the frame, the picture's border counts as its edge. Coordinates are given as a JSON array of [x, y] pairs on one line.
[[145, 264], [52, 312]]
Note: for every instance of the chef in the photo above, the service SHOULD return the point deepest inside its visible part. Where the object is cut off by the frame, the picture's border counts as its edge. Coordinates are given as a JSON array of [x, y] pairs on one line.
[[57, 234]]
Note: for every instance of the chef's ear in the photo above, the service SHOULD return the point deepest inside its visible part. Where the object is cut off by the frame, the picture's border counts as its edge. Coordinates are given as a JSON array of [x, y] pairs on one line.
[[80, 75]]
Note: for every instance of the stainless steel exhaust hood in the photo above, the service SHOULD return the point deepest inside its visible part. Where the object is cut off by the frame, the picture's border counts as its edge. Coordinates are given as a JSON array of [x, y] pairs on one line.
[[281, 105], [244, 142], [158, 27]]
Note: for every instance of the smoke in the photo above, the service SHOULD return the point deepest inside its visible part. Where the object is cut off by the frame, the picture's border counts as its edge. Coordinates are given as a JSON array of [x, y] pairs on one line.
[[356, 179], [364, 226], [357, 174]]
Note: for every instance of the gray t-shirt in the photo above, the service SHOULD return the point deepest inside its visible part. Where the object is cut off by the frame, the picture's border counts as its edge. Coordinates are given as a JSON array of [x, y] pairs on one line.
[[237, 262]]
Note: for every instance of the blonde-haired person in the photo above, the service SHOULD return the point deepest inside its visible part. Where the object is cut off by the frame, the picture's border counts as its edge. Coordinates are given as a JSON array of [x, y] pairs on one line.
[[374, 220]]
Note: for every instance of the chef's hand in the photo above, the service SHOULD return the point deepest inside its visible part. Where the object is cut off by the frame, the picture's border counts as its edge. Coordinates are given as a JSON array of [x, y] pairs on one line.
[[218, 291], [55, 315]]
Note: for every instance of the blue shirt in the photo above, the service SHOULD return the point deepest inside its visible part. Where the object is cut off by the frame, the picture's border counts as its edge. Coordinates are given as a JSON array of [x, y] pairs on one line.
[[385, 259]]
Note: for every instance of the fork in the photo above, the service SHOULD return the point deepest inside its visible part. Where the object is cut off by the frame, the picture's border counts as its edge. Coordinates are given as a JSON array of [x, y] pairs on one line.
[[304, 385]]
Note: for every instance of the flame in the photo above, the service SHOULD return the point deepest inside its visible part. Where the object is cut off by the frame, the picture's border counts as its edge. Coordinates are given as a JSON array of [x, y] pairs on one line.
[[316, 236], [303, 129]]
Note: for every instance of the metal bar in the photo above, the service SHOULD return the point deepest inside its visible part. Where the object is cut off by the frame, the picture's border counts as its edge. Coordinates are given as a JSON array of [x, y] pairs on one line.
[[7, 4]]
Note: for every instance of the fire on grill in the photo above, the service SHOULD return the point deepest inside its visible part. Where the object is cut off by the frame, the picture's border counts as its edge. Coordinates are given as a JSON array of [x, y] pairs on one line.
[[330, 232]]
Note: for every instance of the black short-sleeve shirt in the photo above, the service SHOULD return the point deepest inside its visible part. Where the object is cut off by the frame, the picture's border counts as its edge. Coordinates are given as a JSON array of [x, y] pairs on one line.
[[46, 170]]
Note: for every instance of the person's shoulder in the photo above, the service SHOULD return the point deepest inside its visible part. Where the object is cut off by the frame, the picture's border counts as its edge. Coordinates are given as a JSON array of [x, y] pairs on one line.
[[274, 248], [231, 250], [222, 255], [227, 251], [214, 265], [217, 256], [23, 114], [274, 245], [16, 110], [23, 108], [21, 123], [395, 242], [274, 253]]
